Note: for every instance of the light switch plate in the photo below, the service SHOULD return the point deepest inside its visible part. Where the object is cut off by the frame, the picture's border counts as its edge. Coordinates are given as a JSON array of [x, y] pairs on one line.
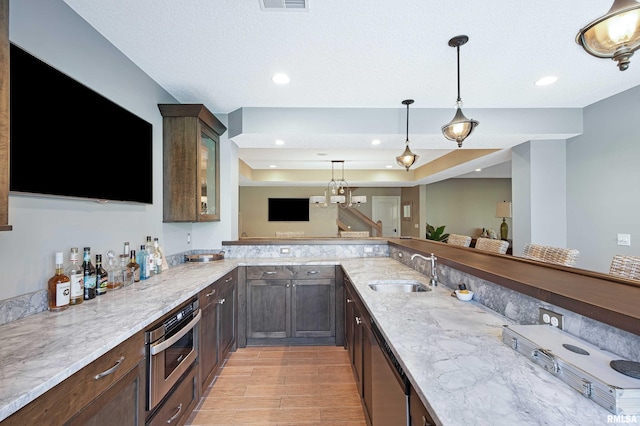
[[624, 239]]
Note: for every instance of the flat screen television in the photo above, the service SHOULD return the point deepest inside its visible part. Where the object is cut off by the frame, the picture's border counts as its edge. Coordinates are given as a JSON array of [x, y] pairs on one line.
[[67, 140], [288, 210]]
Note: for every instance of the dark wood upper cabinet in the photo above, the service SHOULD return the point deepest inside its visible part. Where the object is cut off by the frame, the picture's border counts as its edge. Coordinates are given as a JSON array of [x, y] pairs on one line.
[[4, 116], [191, 163]]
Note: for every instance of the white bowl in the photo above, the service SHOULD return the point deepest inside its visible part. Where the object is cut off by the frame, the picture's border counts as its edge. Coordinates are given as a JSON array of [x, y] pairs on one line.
[[464, 296]]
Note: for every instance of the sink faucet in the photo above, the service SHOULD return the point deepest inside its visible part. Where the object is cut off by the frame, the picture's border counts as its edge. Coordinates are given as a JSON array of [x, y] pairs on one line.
[[433, 281]]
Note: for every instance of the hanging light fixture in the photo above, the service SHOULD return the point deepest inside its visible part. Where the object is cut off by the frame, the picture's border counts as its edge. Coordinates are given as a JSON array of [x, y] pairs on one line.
[[337, 192], [460, 127], [407, 158], [615, 35]]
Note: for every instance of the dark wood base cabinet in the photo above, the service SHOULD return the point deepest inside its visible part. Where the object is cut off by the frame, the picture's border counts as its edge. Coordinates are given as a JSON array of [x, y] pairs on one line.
[[181, 401], [418, 412], [109, 391]]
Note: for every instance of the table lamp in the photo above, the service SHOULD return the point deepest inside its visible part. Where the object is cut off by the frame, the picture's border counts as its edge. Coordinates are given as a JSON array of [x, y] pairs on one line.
[[503, 210]]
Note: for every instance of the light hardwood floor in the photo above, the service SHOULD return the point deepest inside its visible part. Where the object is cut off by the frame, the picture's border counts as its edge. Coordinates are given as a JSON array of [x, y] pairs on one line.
[[284, 385]]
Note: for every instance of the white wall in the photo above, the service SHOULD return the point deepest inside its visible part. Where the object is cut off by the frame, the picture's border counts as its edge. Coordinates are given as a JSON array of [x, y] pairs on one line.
[[51, 31]]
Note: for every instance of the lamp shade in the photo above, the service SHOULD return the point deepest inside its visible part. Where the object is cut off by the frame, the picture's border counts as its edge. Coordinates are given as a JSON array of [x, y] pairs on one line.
[[615, 35], [317, 199], [459, 128], [503, 209], [358, 199]]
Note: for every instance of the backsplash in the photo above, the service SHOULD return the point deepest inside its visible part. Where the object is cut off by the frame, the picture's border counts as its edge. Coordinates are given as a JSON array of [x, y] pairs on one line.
[[306, 250], [523, 309]]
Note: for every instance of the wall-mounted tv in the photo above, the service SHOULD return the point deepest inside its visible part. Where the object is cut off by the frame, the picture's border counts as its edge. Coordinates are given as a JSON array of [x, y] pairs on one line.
[[288, 210], [67, 140]]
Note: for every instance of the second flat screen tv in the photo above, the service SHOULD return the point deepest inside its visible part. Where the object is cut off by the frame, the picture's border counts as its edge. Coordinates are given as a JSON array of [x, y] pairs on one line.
[[288, 210]]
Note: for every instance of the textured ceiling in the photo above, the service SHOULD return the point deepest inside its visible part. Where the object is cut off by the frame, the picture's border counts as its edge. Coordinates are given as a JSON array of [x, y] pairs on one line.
[[362, 54]]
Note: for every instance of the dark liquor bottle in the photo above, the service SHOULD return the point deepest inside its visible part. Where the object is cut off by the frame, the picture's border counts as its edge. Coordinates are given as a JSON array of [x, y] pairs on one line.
[[102, 277], [74, 272], [59, 287], [133, 268], [88, 275]]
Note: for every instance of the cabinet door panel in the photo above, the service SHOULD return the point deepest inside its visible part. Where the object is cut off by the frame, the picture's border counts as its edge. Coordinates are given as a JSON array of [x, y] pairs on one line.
[[268, 310], [227, 323], [313, 305], [209, 361]]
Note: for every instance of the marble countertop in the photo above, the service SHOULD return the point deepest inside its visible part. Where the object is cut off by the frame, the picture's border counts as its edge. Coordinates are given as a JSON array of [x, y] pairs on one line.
[[451, 350]]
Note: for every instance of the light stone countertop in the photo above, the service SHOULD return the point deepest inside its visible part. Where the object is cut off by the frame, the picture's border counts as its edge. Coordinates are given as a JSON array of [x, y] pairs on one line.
[[451, 350]]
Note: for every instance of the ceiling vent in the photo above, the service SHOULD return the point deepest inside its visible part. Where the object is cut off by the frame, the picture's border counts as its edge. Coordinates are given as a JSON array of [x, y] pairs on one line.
[[291, 5]]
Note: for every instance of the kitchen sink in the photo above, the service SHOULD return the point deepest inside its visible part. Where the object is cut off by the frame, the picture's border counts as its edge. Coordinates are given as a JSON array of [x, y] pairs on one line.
[[398, 286]]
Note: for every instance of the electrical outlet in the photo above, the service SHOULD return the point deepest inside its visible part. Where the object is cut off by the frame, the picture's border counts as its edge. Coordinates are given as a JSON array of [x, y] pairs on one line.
[[285, 250], [188, 238], [549, 317], [368, 249], [624, 239]]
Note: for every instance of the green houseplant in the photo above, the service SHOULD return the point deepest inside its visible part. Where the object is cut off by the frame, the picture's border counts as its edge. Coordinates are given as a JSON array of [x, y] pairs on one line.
[[436, 234]]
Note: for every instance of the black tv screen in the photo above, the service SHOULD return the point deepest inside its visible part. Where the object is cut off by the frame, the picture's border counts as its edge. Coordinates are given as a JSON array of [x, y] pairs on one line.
[[68, 140], [288, 210]]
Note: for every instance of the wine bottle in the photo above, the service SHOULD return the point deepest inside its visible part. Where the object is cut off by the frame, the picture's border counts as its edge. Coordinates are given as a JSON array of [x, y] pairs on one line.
[[133, 268], [102, 277], [59, 287], [74, 272], [141, 259], [157, 255], [88, 275], [151, 261]]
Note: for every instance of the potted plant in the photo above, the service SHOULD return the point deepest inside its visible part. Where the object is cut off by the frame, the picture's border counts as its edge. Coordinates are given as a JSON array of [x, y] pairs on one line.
[[436, 234]]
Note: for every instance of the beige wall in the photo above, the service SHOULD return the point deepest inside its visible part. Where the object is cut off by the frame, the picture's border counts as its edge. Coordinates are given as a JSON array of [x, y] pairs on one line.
[[322, 222], [408, 227], [466, 206]]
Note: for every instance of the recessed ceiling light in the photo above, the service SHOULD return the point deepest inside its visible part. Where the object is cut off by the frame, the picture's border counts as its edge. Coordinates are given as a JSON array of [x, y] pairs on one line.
[[389, 167], [280, 78], [478, 170], [279, 142], [545, 81], [375, 142], [272, 166], [321, 154]]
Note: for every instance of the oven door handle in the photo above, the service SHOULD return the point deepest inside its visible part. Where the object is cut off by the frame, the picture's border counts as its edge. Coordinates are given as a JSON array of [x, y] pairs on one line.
[[156, 349]]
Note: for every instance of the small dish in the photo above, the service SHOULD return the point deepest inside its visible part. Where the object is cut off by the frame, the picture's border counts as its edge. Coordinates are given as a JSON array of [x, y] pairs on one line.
[[465, 297]]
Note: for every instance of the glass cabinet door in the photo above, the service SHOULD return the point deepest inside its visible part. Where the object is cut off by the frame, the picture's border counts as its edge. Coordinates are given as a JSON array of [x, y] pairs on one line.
[[208, 174]]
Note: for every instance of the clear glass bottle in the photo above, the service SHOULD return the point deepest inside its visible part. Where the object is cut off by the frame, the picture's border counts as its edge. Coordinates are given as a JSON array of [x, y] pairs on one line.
[[88, 275], [59, 287], [141, 259], [151, 260], [157, 254], [123, 272], [113, 270], [102, 277], [133, 267], [74, 272]]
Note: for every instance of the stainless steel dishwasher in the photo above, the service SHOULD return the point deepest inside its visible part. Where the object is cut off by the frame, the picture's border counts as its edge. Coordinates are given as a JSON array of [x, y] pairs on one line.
[[390, 385]]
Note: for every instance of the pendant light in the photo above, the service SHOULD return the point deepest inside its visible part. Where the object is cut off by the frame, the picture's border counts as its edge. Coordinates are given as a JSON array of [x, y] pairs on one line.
[[460, 127], [615, 35], [337, 192], [407, 158]]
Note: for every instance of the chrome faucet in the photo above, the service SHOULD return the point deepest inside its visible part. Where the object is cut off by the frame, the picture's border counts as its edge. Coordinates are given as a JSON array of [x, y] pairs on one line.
[[433, 281]]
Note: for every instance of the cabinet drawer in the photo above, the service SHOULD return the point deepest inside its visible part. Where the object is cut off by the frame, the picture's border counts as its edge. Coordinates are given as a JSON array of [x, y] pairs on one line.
[[60, 403], [268, 272], [177, 408], [220, 286], [313, 272]]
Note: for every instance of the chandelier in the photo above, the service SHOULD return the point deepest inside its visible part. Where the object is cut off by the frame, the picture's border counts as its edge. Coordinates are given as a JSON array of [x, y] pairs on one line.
[[337, 192]]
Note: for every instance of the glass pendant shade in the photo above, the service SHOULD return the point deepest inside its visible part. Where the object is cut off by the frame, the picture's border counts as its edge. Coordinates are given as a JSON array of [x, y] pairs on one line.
[[337, 192], [407, 158], [615, 35], [459, 128]]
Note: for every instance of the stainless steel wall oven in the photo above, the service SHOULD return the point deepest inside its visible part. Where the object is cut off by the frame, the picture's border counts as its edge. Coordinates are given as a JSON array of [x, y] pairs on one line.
[[171, 348]]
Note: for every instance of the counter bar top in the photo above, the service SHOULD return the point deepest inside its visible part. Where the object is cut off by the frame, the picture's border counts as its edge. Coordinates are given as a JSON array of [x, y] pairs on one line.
[[451, 350]]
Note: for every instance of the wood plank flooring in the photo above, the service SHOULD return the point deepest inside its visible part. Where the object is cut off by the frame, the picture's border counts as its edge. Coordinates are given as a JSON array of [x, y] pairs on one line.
[[283, 385]]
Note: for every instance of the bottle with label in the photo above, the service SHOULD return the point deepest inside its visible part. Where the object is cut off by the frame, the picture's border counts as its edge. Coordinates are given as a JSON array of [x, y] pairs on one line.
[[126, 250], [88, 275], [133, 267], [123, 271], [102, 277], [141, 259], [74, 272], [59, 287], [113, 269], [151, 260], [157, 254]]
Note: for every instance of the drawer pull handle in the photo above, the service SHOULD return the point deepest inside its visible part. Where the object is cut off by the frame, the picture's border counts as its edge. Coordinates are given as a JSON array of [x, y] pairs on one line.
[[358, 320], [211, 293], [175, 416], [221, 301], [349, 300], [312, 272], [228, 279], [269, 272], [111, 370]]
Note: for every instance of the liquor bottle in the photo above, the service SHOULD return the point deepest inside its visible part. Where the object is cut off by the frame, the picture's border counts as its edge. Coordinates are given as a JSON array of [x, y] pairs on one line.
[[102, 277], [88, 275], [59, 287], [151, 260], [126, 250], [74, 272], [141, 259], [157, 255], [123, 271], [133, 267], [113, 269]]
